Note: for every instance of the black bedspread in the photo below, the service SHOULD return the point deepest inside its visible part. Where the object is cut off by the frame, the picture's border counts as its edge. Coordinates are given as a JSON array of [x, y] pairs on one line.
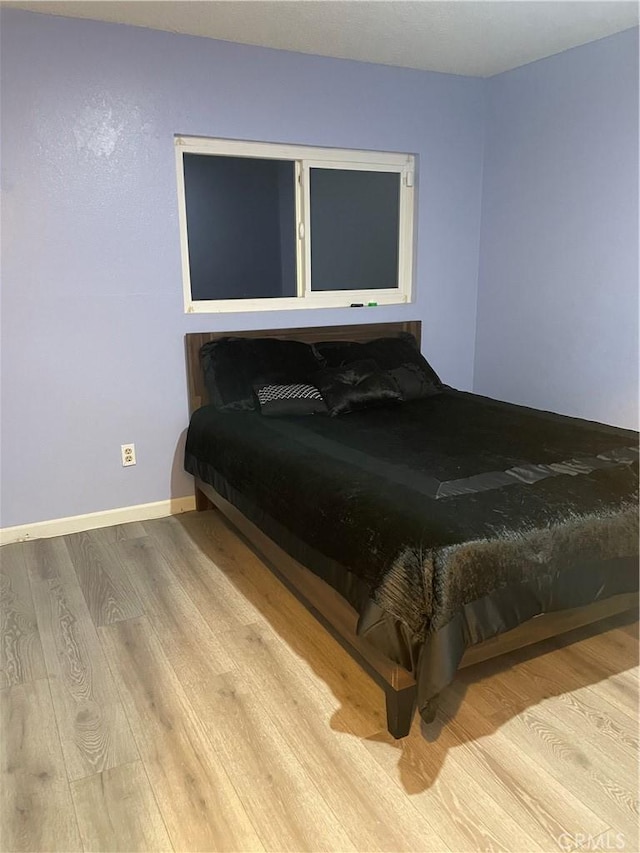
[[443, 521]]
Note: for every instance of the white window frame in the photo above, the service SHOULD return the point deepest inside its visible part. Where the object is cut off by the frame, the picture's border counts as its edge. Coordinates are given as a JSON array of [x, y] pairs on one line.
[[305, 158]]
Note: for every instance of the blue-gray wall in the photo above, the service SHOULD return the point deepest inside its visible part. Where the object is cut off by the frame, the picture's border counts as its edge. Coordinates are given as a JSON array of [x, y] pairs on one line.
[[558, 285], [92, 320]]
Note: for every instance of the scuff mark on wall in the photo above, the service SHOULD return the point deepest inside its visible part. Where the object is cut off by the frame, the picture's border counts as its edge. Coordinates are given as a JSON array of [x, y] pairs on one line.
[[97, 131]]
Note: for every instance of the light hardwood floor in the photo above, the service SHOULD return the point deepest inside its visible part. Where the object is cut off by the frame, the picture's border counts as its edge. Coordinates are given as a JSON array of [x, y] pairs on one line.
[[160, 690]]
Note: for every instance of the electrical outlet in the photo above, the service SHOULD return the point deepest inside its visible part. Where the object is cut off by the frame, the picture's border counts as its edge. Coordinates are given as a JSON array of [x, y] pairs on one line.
[[128, 452]]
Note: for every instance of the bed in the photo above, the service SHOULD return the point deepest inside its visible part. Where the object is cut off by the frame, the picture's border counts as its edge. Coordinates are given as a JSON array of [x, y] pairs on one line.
[[427, 535]]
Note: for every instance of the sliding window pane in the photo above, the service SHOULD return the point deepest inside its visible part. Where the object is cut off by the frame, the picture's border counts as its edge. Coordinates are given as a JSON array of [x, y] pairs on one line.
[[240, 226], [355, 217]]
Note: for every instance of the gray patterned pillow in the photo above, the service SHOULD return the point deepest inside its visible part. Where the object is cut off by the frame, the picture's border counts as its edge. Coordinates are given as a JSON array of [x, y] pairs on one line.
[[294, 399]]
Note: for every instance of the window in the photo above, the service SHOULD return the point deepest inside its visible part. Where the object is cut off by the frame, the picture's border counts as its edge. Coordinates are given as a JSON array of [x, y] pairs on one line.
[[281, 226]]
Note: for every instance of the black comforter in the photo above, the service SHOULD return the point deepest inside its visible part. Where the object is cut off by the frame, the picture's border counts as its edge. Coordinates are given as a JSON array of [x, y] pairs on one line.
[[443, 521]]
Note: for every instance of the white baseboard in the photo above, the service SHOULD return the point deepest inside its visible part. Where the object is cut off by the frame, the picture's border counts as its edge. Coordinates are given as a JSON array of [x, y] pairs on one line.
[[91, 520]]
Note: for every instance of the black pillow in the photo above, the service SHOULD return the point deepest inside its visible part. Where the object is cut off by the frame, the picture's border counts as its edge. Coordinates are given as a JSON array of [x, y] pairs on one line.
[[232, 366], [399, 356], [359, 385], [296, 399]]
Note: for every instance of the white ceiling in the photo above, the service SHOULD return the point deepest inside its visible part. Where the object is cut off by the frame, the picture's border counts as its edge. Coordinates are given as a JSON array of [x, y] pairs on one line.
[[459, 36]]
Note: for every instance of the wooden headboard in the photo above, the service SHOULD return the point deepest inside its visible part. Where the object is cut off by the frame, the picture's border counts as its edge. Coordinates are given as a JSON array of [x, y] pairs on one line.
[[198, 395]]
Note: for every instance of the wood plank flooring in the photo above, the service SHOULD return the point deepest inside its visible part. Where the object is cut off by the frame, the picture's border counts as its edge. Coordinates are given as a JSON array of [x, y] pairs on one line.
[[160, 690], [20, 650]]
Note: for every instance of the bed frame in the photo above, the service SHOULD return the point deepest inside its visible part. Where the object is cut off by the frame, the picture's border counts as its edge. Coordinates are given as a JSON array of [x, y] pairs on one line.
[[329, 608]]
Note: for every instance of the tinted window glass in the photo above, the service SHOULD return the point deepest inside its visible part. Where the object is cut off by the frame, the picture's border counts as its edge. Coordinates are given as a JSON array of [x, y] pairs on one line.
[[240, 227], [354, 229]]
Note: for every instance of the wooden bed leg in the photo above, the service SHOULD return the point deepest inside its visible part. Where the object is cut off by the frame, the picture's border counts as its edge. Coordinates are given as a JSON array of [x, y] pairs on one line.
[[202, 501], [400, 707]]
